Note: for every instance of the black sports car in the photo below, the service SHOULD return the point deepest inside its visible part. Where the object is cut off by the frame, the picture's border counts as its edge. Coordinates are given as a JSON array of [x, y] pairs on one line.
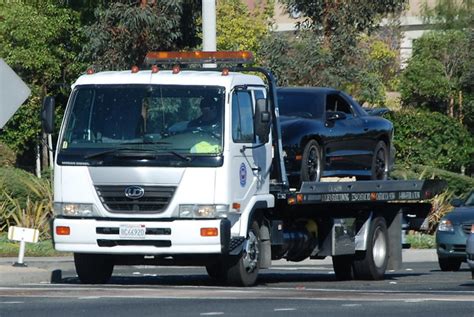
[[327, 133]]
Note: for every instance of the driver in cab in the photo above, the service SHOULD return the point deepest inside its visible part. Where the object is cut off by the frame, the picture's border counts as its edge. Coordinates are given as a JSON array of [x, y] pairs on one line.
[[209, 117]]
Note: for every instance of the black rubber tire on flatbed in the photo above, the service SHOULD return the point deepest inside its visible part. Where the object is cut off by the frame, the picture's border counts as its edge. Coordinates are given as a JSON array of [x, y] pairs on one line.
[[372, 263], [343, 267]]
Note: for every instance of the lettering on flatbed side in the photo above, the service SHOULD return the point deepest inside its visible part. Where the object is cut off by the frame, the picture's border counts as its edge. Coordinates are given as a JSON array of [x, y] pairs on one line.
[[386, 196], [360, 196], [409, 195], [336, 197]]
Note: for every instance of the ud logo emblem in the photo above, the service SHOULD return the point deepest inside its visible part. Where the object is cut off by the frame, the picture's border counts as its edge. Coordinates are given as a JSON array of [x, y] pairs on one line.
[[134, 192]]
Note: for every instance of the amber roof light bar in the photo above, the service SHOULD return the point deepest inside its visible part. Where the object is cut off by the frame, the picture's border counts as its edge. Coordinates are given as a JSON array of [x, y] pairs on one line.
[[199, 57]]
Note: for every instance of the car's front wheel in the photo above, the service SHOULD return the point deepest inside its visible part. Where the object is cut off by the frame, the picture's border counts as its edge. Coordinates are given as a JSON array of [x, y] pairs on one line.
[[447, 265], [311, 163]]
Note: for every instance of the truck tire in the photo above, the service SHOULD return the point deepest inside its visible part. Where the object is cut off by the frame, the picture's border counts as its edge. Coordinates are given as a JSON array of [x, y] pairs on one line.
[[372, 263], [216, 271], [242, 270], [447, 265], [379, 168], [93, 268], [342, 265], [311, 162]]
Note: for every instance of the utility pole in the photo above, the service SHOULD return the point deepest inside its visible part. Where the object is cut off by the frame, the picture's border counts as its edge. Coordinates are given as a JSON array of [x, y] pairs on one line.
[[209, 28]]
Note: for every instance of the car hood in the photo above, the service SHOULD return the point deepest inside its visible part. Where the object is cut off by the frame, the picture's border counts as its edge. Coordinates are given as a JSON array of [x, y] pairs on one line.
[[461, 215]]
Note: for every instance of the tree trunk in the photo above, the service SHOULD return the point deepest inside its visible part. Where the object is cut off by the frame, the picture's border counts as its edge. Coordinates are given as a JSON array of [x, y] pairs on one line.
[[44, 152], [451, 107], [461, 115]]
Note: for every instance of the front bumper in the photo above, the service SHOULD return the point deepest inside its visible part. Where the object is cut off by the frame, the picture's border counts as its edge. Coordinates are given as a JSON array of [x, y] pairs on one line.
[[451, 244], [162, 237]]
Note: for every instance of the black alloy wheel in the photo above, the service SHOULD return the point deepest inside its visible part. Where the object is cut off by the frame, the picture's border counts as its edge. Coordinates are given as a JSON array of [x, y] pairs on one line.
[[311, 164]]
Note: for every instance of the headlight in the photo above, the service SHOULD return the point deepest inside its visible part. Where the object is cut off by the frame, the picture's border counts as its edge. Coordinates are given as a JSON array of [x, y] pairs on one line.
[[445, 225], [74, 210], [203, 211]]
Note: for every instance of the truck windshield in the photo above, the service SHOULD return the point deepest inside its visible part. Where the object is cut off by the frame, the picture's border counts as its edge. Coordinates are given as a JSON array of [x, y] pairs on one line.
[[162, 118]]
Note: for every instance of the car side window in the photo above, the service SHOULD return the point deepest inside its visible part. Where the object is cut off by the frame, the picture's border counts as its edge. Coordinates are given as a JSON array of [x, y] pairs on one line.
[[242, 117], [335, 102]]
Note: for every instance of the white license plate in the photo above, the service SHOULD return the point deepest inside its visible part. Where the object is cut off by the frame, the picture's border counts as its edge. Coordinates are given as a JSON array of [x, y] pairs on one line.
[[132, 231]]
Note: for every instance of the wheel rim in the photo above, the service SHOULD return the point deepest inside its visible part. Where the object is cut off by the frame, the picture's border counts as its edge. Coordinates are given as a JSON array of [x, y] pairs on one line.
[[380, 164], [313, 164], [379, 250], [250, 258]]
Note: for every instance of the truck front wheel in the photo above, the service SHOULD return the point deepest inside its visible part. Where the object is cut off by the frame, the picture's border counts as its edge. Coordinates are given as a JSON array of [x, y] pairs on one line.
[[93, 268], [372, 263], [243, 269]]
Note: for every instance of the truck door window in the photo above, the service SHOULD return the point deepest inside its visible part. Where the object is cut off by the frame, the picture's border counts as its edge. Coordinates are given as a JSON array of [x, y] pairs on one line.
[[242, 117]]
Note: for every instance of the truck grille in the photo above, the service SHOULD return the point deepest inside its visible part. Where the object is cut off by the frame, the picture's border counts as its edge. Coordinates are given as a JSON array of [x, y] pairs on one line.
[[154, 200]]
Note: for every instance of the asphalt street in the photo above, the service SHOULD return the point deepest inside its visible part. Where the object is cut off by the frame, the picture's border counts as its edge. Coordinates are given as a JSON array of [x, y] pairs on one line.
[[49, 287]]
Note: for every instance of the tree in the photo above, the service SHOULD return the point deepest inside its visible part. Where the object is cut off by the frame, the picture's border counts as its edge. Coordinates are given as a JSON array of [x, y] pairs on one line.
[[449, 14], [339, 22], [40, 42], [124, 31], [233, 21]]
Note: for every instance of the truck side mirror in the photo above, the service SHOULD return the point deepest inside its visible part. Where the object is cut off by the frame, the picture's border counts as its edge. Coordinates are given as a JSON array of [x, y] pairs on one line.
[[262, 121], [47, 114]]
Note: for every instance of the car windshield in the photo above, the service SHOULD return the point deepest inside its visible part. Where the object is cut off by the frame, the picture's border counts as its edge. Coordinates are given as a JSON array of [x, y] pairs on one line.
[[165, 118], [300, 104], [470, 200]]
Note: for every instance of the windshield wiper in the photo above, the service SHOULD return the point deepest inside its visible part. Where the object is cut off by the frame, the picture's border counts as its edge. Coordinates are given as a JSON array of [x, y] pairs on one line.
[[144, 142], [181, 156], [102, 153]]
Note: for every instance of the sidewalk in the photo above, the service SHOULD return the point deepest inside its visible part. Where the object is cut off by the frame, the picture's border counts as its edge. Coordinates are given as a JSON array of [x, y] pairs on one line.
[[44, 269]]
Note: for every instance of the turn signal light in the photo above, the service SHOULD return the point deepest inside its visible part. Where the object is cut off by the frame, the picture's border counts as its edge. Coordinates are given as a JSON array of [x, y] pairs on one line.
[[209, 232], [63, 231]]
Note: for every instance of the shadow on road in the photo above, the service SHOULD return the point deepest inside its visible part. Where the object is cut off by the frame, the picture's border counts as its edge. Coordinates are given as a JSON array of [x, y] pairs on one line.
[[265, 278]]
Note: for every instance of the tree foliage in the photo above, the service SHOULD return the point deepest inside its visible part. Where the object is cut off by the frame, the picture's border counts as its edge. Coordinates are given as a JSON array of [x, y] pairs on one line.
[[40, 42], [241, 28], [124, 31], [365, 71], [435, 74], [339, 21]]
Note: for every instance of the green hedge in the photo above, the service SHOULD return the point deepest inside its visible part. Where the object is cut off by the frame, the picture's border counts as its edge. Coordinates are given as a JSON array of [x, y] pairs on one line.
[[13, 180], [431, 139]]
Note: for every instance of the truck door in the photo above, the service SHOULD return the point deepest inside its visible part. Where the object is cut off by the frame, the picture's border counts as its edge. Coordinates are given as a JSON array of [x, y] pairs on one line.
[[245, 174]]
